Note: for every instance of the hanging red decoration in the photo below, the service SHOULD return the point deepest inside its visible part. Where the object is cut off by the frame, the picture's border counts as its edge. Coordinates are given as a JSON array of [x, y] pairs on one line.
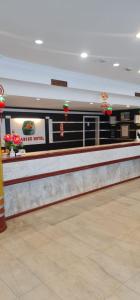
[[104, 96], [2, 102], [66, 109], [108, 111], [106, 107], [62, 129], [1, 90]]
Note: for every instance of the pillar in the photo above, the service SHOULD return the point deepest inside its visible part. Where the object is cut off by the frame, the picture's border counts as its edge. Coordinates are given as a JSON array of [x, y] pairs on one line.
[[2, 212]]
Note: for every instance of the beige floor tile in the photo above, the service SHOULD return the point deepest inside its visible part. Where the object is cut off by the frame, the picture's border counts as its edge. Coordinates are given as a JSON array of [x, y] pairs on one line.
[[76, 246], [53, 232], [123, 293], [127, 201], [133, 237], [102, 283], [134, 283], [17, 277], [36, 240], [41, 265], [42, 292], [69, 286], [60, 254], [17, 247], [118, 262], [94, 239], [6, 293], [135, 195], [108, 225]]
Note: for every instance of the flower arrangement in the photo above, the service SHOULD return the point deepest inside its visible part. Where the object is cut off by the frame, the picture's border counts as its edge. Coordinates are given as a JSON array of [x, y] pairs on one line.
[[13, 141]]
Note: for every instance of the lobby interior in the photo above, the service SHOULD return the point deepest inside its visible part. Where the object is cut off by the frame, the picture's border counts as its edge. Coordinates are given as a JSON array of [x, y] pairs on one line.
[[70, 186]]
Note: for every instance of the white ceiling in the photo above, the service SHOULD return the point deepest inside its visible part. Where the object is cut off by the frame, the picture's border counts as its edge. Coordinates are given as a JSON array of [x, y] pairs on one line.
[[106, 29], [29, 102]]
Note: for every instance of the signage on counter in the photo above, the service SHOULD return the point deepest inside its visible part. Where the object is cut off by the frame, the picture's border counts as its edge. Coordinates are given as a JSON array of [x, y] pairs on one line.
[[31, 130]]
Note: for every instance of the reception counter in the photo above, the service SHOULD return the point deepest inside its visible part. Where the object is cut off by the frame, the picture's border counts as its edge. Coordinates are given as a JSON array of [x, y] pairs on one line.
[[44, 178]]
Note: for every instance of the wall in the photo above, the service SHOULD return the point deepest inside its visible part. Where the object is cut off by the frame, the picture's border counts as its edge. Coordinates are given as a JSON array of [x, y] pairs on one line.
[[73, 128], [24, 71]]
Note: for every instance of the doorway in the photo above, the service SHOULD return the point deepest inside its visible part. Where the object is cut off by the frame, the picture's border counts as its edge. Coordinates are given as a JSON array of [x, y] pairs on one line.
[[91, 130]]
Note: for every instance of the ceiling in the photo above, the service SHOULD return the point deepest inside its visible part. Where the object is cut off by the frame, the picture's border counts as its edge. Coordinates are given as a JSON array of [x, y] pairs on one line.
[[29, 102], [106, 29]]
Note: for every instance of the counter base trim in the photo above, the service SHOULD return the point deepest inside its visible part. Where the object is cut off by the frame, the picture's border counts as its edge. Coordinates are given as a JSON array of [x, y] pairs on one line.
[[69, 198], [63, 152]]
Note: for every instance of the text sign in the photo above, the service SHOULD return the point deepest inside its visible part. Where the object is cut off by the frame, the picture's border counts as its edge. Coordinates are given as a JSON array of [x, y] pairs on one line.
[[31, 130]]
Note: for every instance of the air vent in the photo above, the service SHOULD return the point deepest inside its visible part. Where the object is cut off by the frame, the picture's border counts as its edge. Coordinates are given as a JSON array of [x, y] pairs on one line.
[[102, 61], [128, 69], [59, 82], [137, 94]]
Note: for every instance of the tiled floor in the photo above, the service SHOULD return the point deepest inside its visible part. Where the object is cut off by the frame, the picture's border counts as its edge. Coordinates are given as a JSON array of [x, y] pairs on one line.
[[84, 249]]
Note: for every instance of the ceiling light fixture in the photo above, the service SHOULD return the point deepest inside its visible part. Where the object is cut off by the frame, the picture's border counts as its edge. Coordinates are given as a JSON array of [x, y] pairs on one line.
[[67, 101], [84, 55], [37, 99], [39, 42], [139, 71], [138, 35], [128, 106], [116, 65], [91, 103]]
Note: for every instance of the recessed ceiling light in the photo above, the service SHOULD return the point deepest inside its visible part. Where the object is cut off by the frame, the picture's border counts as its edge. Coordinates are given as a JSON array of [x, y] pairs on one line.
[[38, 99], [116, 65], [138, 71], [67, 101], [127, 106], [39, 42], [138, 35], [91, 103], [84, 55]]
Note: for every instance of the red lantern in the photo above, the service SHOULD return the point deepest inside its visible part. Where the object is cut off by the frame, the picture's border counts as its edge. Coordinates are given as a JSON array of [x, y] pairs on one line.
[[66, 109], [2, 102], [108, 111]]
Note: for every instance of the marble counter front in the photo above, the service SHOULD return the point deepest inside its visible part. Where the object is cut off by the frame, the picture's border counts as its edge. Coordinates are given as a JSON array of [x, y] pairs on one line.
[[43, 178]]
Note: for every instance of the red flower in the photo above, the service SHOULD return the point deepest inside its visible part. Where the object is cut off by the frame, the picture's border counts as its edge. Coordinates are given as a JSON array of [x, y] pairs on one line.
[[17, 139], [8, 138]]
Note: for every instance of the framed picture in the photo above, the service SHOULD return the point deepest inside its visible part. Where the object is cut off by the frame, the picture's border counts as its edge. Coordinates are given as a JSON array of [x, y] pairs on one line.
[[125, 116], [125, 131], [113, 120], [137, 119]]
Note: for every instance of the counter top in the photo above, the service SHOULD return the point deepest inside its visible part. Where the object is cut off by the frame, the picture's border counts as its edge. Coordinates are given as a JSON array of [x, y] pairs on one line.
[[63, 152]]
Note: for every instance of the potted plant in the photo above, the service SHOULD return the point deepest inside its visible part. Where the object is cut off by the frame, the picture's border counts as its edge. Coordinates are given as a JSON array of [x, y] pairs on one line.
[[13, 141]]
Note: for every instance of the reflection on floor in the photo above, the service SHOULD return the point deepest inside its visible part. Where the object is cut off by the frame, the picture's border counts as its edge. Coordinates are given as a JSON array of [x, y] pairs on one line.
[[84, 249]]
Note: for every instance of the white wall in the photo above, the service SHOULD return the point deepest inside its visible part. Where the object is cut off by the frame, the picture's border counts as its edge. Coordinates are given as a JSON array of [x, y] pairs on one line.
[[24, 71], [29, 89]]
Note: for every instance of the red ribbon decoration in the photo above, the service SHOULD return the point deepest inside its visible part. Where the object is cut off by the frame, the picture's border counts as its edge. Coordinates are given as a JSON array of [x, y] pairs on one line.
[[62, 129]]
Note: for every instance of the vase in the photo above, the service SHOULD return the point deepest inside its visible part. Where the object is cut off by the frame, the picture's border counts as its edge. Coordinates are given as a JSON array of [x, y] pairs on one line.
[[7, 152]]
